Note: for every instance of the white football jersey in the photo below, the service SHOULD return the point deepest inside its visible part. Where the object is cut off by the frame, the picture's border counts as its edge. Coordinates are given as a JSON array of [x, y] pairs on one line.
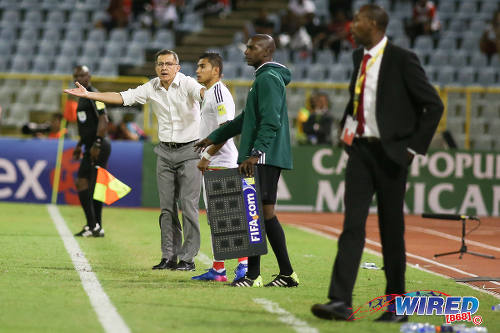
[[217, 108]]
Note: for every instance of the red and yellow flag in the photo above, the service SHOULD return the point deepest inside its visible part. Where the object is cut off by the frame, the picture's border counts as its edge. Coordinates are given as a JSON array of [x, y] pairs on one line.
[[108, 189]]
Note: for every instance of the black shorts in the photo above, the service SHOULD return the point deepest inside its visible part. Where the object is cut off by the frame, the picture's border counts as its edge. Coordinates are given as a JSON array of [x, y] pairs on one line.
[[86, 167], [268, 181]]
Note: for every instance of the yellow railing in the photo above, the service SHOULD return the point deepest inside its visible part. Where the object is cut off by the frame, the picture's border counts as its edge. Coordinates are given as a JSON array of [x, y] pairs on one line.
[[240, 88]]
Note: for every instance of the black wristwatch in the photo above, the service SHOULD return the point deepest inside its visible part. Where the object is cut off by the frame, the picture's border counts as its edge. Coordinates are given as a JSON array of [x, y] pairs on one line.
[[255, 153]]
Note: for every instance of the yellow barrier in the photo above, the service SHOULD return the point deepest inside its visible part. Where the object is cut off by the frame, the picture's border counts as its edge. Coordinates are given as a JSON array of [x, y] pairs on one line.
[[240, 88]]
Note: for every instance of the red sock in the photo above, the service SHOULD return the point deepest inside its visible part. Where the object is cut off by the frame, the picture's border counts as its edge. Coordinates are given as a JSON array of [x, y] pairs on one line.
[[218, 266], [243, 260]]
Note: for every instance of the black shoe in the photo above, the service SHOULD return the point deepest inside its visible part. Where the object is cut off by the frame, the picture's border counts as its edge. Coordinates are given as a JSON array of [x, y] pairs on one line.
[[85, 229], [166, 264], [332, 310], [391, 317], [185, 266]]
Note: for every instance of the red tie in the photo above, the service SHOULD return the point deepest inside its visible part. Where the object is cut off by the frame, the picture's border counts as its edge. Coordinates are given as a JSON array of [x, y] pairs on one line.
[[360, 113]]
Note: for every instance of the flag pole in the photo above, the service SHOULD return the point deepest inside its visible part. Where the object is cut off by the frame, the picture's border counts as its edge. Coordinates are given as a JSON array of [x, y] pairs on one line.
[[57, 173]]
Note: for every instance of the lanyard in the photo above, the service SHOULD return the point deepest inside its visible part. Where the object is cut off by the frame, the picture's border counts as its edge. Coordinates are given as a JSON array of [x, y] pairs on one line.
[[361, 78]]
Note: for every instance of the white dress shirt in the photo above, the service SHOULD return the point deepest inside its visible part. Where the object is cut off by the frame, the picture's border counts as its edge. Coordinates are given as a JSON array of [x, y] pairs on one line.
[[217, 108], [370, 92], [177, 109]]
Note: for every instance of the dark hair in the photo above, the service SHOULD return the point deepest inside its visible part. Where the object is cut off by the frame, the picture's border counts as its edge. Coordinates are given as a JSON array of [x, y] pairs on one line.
[[378, 14], [214, 59], [165, 51]]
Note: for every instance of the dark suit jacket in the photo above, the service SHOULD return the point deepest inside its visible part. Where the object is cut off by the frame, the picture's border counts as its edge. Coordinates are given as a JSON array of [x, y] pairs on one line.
[[408, 107]]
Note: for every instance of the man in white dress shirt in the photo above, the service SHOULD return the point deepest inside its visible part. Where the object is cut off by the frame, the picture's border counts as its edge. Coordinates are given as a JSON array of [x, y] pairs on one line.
[[175, 100], [217, 108]]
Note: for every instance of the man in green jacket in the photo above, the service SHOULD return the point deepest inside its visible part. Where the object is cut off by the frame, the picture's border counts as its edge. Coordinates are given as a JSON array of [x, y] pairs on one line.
[[265, 142]]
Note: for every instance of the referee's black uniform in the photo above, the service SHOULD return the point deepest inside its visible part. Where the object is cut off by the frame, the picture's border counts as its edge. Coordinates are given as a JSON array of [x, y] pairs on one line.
[[88, 112]]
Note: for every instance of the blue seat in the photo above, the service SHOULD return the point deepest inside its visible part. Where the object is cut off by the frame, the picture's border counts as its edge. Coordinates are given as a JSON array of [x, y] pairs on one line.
[[478, 60], [74, 35], [113, 50], [107, 67], [466, 76], [230, 71], [163, 39], [118, 35], [32, 18], [445, 75], [134, 54], [8, 34], [78, 18], [25, 48], [29, 34], [439, 58], [424, 43], [91, 49], [42, 64], [97, 36], [458, 59], [316, 72], [447, 44], [486, 77], [19, 64], [10, 18], [63, 65], [142, 36], [5, 48]]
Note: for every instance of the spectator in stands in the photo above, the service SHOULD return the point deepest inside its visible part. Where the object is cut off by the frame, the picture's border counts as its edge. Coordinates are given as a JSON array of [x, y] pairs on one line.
[[300, 8], [119, 12], [260, 25], [302, 117], [424, 21], [214, 7], [318, 127], [337, 34], [490, 39], [294, 35], [340, 5], [128, 129], [50, 129], [167, 13]]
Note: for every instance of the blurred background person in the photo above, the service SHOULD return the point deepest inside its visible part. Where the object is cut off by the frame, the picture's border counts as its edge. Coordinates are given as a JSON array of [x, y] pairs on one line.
[[318, 127], [490, 39]]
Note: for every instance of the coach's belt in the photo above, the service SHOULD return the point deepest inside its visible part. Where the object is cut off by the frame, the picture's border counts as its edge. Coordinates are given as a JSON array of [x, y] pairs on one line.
[[176, 145]]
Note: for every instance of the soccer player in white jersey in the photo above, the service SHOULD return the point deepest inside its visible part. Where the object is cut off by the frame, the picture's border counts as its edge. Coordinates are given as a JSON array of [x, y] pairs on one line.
[[216, 109]]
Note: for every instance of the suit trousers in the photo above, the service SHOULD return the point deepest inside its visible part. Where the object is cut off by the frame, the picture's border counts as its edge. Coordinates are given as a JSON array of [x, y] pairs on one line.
[[179, 183], [370, 171]]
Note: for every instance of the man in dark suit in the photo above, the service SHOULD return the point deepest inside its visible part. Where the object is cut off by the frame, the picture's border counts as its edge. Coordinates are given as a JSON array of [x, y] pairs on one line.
[[391, 116]]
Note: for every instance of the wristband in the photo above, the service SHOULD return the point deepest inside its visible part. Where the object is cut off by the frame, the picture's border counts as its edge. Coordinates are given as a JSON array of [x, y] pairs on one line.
[[206, 155], [98, 142]]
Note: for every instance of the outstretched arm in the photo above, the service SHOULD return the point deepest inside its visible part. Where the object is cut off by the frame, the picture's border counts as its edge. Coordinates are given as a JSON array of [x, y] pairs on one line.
[[106, 97]]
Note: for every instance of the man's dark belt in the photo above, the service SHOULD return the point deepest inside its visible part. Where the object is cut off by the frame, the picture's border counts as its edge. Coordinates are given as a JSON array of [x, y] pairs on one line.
[[369, 139], [175, 145]]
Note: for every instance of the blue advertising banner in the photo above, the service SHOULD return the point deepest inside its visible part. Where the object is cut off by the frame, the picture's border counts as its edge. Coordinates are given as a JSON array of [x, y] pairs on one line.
[[27, 168]]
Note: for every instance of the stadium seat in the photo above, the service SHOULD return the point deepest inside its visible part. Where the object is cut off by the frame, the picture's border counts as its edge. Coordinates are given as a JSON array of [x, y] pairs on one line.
[[446, 7], [25, 48], [468, 7], [118, 36], [455, 125], [234, 54], [55, 19], [489, 7], [445, 75], [247, 72], [134, 55], [68, 50], [30, 4], [495, 61], [230, 71], [52, 35], [466, 76], [78, 18], [325, 57], [17, 115], [5, 48], [49, 100], [482, 142], [478, 59], [163, 39], [337, 74], [113, 50], [26, 95], [42, 64], [447, 44], [486, 76], [90, 62], [316, 72], [188, 68], [10, 18], [47, 48], [32, 18], [19, 64], [93, 5], [29, 34], [424, 43], [402, 41], [73, 35], [107, 67], [9, 4], [8, 34], [469, 43], [91, 49], [141, 36], [458, 58], [282, 56], [97, 36], [63, 65]]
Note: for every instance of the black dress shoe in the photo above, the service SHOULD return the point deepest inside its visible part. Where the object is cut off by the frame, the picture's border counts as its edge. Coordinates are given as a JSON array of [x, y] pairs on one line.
[[391, 317], [333, 310], [185, 266], [166, 264]]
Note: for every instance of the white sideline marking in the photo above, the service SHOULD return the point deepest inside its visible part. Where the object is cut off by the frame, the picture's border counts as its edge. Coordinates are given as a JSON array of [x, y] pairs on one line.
[[107, 314], [455, 238], [285, 317], [317, 232]]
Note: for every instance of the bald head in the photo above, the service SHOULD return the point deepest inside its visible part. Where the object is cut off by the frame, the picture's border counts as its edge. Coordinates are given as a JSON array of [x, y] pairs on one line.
[[260, 49], [81, 74]]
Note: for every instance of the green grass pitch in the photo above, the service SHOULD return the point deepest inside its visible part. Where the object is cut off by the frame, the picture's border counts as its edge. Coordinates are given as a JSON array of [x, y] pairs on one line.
[[41, 292]]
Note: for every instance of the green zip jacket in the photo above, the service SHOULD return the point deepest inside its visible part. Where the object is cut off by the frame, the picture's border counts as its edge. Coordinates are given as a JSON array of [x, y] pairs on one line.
[[263, 124]]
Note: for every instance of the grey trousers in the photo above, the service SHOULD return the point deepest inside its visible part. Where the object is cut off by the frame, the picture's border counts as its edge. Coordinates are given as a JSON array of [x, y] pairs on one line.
[[179, 182]]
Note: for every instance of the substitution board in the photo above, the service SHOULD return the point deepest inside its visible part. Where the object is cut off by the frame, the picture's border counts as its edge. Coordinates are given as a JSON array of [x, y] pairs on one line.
[[234, 211]]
